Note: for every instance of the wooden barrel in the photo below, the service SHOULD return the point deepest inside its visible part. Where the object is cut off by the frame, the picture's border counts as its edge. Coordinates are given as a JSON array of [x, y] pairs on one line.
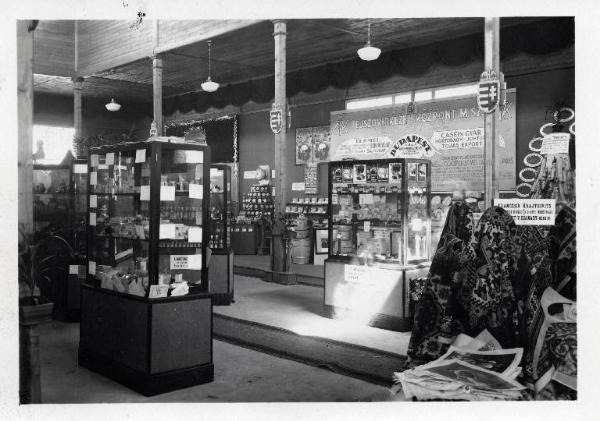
[[301, 251]]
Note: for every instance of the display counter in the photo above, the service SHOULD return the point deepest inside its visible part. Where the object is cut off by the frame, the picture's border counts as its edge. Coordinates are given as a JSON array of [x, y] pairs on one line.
[[150, 345], [376, 295]]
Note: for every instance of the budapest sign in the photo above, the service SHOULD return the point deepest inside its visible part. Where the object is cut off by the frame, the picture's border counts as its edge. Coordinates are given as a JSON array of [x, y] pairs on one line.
[[448, 132]]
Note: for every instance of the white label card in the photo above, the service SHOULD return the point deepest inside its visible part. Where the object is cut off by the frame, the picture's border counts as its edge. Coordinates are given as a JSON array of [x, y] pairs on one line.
[[93, 160], [196, 191], [93, 219], [93, 201], [80, 169], [92, 268], [166, 231], [555, 143], [145, 193], [249, 175], [110, 158], [194, 234], [194, 157], [186, 261], [140, 155], [158, 291], [529, 211], [73, 269], [367, 226], [167, 193], [272, 173], [93, 178], [298, 186], [365, 199]]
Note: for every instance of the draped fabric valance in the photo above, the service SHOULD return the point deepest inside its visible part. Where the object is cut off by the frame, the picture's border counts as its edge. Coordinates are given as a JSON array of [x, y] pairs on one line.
[[537, 38]]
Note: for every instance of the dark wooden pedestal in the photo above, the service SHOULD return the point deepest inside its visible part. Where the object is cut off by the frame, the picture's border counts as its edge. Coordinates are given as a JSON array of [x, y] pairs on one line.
[[151, 346], [220, 276]]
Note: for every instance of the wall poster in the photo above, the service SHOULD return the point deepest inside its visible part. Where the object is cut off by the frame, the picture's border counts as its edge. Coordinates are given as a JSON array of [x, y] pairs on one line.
[[312, 145], [449, 132]]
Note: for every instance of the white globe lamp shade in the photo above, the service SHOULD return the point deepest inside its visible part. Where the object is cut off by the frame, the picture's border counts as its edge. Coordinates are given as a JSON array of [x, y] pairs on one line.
[[368, 52], [113, 106], [209, 85]]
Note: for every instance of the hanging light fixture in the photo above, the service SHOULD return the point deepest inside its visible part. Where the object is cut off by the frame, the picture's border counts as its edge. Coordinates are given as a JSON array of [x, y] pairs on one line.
[[209, 85], [368, 52], [113, 106]]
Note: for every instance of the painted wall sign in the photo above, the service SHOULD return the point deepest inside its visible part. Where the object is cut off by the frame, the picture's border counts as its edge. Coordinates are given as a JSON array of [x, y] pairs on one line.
[[529, 211], [448, 132]]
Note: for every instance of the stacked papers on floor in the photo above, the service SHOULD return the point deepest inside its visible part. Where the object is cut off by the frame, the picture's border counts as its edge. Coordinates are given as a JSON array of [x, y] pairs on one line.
[[476, 370]]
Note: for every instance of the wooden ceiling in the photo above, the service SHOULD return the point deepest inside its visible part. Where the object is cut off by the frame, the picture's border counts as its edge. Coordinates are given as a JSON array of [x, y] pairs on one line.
[[236, 55]]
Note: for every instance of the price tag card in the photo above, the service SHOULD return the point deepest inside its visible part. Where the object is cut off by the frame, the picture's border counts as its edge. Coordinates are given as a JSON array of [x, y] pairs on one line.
[[92, 268], [166, 231], [244, 229], [102, 167], [367, 226], [194, 234], [334, 199], [298, 186], [158, 291], [110, 158], [194, 157], [93, 178], [272, 173], [140, 155], [365, 199], [93, 219], [73, 269], [167, 193], [249, 175], [93, 160], [145, 193], [93, 201], [186, 261], [196, 191]]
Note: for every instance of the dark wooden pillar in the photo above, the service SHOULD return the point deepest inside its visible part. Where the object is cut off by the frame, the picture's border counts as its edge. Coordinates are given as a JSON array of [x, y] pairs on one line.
[[280, 35], [157, 71], [492, 61]]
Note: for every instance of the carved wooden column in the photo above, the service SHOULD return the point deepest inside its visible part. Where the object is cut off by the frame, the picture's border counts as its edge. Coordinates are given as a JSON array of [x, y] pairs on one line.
[[25, 30], [492, 61], [280, 35], [157, 71], [77, 119]]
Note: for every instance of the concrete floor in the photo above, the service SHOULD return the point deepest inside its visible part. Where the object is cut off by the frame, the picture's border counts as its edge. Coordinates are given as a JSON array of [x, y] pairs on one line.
[[241, 375], [299, 308]]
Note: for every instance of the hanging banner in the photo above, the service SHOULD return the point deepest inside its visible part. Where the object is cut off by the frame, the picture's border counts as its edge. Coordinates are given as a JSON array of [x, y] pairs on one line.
[[449, 132], [311, 179]]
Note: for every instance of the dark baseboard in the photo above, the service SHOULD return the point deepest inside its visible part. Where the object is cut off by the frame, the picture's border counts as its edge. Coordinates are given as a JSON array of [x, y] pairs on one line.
[[145, 383], [382, 321], [283, 278]]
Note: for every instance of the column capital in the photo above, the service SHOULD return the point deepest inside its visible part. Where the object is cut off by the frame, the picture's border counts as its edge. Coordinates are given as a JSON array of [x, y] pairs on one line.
[[77, 81], [280, 27]]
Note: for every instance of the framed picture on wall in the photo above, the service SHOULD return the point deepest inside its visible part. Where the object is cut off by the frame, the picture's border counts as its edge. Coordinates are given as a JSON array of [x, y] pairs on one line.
[[312, 145], [321, 241]]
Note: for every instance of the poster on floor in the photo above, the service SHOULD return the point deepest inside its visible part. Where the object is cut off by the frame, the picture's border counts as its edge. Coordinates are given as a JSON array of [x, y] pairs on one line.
[[449, 132]]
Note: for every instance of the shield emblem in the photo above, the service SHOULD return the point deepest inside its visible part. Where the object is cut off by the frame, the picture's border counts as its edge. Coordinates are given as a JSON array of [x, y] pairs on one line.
[[275, 118], [488, 95]]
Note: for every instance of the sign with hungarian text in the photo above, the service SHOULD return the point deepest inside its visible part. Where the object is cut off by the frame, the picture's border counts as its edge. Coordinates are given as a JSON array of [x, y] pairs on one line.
[[448, 132], [529, 211]]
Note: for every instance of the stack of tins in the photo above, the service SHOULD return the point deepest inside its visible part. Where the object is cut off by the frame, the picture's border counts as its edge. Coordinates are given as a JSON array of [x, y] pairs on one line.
[[300, 250]]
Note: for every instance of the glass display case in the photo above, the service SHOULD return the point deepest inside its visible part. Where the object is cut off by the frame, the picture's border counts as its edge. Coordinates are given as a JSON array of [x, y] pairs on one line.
[[379, 222], [146, 315], [147, 210], [380, 211], [52, 197], [220, 273]]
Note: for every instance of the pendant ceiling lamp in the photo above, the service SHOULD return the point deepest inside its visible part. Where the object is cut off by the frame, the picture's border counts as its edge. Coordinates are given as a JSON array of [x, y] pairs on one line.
[[113, 106], [209, 85], [368, 52]]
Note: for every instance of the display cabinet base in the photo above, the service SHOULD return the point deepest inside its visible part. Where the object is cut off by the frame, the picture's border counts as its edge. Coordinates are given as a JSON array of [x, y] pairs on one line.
[[382, 321], [144, 383], [284, 278], [222, 299]]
